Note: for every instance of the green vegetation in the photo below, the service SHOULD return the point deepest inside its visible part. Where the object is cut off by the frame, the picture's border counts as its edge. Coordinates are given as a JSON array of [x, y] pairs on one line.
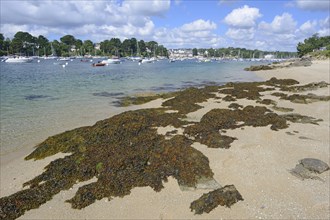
[[315, 46], [241, 53], [24, 43]]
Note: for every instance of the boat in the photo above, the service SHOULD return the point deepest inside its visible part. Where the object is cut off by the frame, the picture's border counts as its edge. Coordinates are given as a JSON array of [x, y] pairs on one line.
[[148, 60], [63, 59], [18, 60], [111, 61], [98, 64]]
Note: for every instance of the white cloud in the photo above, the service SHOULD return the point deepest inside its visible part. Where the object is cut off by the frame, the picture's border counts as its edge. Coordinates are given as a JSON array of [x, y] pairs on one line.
[[240, 34], [283, 24], [313, 5], [148, 7], [112, 18], [324, 27], [199, 25], [244, 17], [198, 33], [308, 28]]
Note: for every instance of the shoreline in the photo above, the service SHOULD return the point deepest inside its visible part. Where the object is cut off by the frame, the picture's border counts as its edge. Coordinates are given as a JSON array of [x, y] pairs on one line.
[[261, 150]]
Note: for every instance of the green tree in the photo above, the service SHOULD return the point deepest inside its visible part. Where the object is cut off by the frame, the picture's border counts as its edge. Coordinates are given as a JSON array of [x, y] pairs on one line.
[[88, 46], [195, 52]]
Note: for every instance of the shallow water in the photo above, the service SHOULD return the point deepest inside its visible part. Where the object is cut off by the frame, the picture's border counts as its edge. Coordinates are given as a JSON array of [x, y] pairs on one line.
[[42, 99]]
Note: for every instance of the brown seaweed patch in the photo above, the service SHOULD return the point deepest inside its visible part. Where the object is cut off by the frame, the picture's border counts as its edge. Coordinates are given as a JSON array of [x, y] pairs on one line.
[[248, 90], [305, 99], [258, 68], [122, 152], [139, 100], [307, 87], [301, 99], [266, 102], [235, 106], [282, 109], [207, 131], [229, 98], [186, 100], [225, 196], [297, 118], [281, 82]]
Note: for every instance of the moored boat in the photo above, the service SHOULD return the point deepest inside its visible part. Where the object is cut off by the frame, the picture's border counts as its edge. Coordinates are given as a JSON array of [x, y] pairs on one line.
[[111, 61], [18, 60], [98, 64]]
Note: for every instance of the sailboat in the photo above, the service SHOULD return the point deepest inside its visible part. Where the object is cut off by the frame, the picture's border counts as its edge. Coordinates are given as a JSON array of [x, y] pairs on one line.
[[53, 55], [138, 56]]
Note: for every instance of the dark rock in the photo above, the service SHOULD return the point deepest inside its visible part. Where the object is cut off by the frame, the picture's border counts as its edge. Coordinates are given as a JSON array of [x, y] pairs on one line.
[[314, 165], [225, 196], [258, 68], [308, 167]]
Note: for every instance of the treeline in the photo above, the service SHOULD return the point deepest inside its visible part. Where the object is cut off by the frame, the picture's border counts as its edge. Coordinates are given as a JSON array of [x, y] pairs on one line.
[[316, 44], [25, 44], [241, 53]]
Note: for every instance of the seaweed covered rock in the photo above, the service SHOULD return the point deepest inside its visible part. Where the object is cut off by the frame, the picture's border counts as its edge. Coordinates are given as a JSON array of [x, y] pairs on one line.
[[258, 68], [225, 196]]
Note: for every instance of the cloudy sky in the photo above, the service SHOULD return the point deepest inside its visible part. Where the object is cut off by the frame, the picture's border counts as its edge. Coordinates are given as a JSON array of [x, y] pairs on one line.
[[257, 24]]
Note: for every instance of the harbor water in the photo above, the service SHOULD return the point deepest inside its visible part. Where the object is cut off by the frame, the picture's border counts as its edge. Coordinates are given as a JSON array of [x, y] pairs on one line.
[[46, 97]]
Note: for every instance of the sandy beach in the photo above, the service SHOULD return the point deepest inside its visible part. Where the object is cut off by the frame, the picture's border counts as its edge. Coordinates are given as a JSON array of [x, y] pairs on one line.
[[257, 163]]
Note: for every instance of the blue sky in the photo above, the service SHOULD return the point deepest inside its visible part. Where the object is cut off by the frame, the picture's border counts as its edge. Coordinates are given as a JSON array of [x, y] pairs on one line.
[[262, 24]]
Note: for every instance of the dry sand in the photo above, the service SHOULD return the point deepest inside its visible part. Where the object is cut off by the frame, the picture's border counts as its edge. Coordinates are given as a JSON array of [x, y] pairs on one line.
[[257, 164]]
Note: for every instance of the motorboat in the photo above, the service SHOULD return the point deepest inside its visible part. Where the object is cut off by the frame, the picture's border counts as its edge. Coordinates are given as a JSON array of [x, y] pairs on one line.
[[18, 60], [111, 61], [148, 60], [98, 64]]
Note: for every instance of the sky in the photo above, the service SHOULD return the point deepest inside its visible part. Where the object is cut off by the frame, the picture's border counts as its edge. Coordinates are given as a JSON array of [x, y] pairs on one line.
[[273, 25]]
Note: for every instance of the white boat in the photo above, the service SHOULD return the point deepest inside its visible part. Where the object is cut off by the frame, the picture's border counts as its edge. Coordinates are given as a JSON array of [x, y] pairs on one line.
[[63, 59], [148, 60], [111, 61], [18, 60]]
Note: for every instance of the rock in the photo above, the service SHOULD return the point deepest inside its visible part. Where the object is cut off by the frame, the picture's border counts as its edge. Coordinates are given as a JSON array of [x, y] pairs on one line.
[[225, 196], [302, 173], [304, 61], [314, 165], [308, 167], [258, 68], [202, 183]]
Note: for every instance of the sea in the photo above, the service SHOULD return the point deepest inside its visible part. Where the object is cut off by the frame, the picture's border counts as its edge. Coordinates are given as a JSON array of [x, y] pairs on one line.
[[47, 97]]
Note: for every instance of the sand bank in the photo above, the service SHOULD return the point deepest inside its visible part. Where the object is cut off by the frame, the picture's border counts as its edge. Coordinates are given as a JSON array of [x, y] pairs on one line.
[[257, 163]]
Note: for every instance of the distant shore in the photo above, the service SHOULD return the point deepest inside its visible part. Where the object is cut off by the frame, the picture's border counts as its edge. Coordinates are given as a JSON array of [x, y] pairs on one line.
[[257, 163]]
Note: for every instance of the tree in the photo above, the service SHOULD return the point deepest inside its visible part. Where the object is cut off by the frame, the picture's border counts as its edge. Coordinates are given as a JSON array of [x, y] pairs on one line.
[[88, 46], [195, 52], [313, 43], [68, 40]]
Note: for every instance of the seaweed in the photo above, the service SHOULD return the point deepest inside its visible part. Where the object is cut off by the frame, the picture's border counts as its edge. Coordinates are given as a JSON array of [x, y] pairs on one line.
[[185, 101], [208, 130], [258, 68], [225, 196], [301, 99], [125, 151], [266, 102], [307, 87], [235, 106], [122, 152]]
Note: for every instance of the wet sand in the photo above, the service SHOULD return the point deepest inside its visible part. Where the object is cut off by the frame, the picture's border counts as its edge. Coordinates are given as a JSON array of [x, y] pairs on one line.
[[257, 164]]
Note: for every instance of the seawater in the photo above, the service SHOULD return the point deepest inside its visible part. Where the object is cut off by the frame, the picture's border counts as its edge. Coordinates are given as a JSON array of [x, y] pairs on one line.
[[41, 99]]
